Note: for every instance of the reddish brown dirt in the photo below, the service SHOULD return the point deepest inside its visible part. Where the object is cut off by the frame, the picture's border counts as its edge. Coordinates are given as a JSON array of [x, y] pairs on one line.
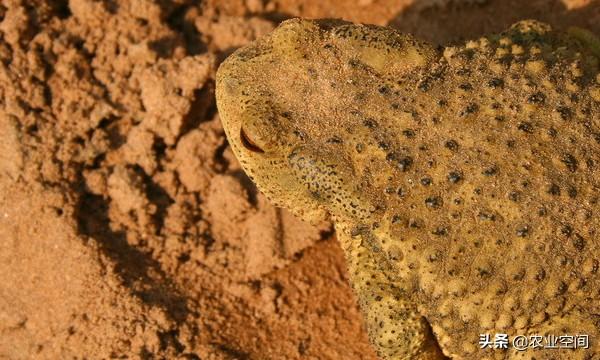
[[127, 228]]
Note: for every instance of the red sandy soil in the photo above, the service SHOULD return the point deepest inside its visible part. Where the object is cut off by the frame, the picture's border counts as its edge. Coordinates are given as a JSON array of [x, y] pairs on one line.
[[127, 228]]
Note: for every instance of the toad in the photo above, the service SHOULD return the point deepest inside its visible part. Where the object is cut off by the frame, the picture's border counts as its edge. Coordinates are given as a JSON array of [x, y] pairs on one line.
[[463, 182]]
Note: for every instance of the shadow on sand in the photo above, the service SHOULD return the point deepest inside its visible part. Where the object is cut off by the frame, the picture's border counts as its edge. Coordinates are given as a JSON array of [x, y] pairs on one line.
[[467, 21]]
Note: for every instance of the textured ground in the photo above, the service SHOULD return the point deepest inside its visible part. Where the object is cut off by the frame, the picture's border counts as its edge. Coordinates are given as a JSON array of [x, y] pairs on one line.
[[127, 227]]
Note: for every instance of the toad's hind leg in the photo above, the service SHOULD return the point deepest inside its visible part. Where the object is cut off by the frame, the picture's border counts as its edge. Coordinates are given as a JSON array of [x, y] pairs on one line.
[[395, 327]]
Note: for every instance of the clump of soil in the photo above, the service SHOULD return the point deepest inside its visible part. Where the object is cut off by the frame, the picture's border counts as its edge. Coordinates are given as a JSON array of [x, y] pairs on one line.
[[128, 228]]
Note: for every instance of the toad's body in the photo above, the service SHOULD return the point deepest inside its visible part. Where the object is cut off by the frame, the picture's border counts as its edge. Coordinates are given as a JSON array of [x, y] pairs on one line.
[[463, 183]]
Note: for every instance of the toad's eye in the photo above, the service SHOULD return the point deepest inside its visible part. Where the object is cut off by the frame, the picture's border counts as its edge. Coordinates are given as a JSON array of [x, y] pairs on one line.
[[248, 143]]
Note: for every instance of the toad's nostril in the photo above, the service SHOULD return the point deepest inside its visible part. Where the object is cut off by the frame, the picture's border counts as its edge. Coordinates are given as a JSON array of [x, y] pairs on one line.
[[248, 143]]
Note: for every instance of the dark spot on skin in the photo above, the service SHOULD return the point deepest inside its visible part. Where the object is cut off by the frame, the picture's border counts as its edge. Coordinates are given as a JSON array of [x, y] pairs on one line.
[[454, 177], [299, 134], [440, 231], [400, 192], [562, 260], [483, 272], [466, 54], [536, 98], [590, 163], [522, 231], [384, 90], [562, 288], [465, 87], [390, 190], [424, 85], [469, 109], [335, 140], [396, 219], [463, 72], [499, 118], [552, 132], [586, 110], [540, 275], [405, 163], [519, 275], [570, 162], [487, 216], [409, 133], [356, 231], [578, 242], [434, 257], [426, 181], [572, 192], [495, 83], [451, 145], [565, 112], [566, 230], [359, 148], [491, 171], [370, 123], [414, 223], [542, 211], [383, 145], [514, 196], [433, 202], [554, 190], [526, 127]]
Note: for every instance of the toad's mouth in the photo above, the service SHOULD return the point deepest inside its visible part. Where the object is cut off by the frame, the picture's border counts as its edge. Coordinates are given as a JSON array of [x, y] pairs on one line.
[[248, 143]]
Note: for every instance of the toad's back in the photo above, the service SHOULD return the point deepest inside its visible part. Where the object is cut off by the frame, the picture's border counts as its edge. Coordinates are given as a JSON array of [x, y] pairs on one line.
[[471, 171]]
